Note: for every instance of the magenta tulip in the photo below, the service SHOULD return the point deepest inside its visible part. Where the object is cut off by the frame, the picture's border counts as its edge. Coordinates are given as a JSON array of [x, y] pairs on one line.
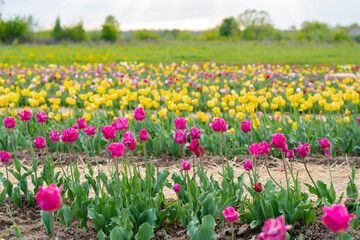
[[139, 114], [132, 147], [193, 146], [254, 149], [264, 148], [5, 156], [116, 149], [9, 122], [219, 125], [180, 137], [25, 115], [90, 130], [81, 122], [258, 188], [186, 166], [230, 214], [180, 123], [327, 153], [69, 135], [302, 150], [40, 142], [290, 154], [279, 141], [324, 143], [337, 218], [41, 117], [199, 152], [49, 198], [54, 136], [121, 124], [177, 188], [195, 133], [143, 135], [274, 229], [246, 126], [128, 139], [248, 165], [108, 132]]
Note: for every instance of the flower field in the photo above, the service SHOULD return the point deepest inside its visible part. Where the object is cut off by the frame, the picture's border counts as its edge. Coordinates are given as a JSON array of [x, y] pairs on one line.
[[98, 139]]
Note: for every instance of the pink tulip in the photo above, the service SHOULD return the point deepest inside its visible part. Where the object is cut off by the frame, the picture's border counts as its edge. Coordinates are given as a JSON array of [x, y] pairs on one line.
[[121, 124], [177, 188], [327, 153], [199, 152], [9, 122], [246, 126], [180, 137], [290, 154], [193, 146], [185, 165], [279, 141], [143, 135], [282, 170], [128, 139], [248, 165], [74, 126], [254, 149], [90, 130], [25, 115], [139, 114], [132, 147], [5, 157], [302, 150], [69, 135], [41, 117], [195, 133], [54, 136], [81, 122], [230, 214], [274, 229], [40, 142], [219, 125], [337, 218], [116, 149], [277, 117], [108, 132], [264, 148], [358, 119], [324, 143], [258, 187], [49, 198], [180, 123]]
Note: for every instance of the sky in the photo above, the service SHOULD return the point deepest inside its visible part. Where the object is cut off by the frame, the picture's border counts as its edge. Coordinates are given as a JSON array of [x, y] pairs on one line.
[[181, 14]]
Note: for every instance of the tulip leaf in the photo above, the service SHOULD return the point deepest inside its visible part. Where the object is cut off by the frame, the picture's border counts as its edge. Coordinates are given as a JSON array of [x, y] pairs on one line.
[[3, 195], [209, 206], [65, 215], [145, 232], [203, 231], [16, 196], [120, 233], [98, 219], [147, 216], [46, 219], [101, 235], [346, 236]]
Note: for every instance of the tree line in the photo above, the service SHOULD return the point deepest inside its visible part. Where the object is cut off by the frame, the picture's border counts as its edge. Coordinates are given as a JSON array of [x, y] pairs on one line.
[[251, 25]]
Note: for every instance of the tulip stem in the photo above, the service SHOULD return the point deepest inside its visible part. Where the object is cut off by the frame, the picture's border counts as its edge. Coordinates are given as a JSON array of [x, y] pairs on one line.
[[144, 146], [71, 163], [267, 169], [311, 178], [194, 165], [46, 147], [286, 175], [12, 144], [30, 145], [232, 230], [58, 153], [97, 163], [52, 225], [117, 173], [222, 159], [7, 177], [331, 179]]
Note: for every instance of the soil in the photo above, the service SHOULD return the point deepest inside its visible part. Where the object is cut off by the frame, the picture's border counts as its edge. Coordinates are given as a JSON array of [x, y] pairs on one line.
[[29, 221]]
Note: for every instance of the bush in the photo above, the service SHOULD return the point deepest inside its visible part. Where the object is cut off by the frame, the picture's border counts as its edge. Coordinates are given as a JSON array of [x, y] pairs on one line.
[[75, 33], [229, 28], [145, 35], [58, 32], [15, 28], [109, 31]]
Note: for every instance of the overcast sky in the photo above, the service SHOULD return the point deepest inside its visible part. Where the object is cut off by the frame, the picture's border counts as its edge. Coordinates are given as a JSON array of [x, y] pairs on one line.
[[181, 14]]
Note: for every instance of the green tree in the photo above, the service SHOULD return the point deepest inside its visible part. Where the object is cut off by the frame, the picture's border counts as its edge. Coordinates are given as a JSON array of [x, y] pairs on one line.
[[229, 28], [315, 32], [58, 32], [75, 33], [110, 29], [256, 25]]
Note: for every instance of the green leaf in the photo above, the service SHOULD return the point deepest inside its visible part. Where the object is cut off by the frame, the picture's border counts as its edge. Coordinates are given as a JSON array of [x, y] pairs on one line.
[[346, 236], [16, 196], [46, 219], [98, 219], [148, 216], [145, 232], [3, 196], [101, 235], [351, 190], [203, 231], [17, 231], [354, 223], [119, 233], [17, 164], [209, 206], [65, 215]]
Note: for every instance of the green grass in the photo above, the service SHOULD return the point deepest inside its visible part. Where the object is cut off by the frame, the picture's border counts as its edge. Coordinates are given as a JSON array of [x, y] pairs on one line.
[[167, 52]]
